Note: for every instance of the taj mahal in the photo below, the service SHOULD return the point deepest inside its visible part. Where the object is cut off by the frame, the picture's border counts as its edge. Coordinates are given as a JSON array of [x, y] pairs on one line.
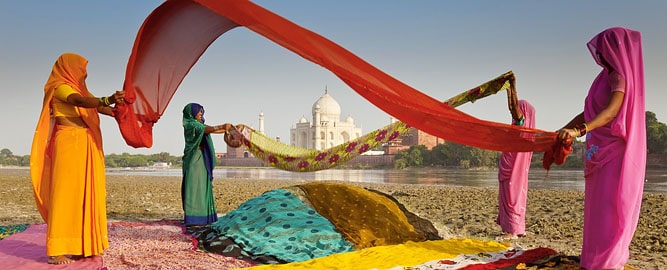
[[325, 129]]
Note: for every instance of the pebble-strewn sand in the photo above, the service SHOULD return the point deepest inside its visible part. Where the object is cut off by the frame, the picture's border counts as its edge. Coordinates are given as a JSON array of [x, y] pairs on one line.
[[554, 218]]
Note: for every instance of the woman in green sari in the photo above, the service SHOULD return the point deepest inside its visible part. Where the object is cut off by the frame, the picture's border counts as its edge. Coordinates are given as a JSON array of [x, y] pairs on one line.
[[198, 162]]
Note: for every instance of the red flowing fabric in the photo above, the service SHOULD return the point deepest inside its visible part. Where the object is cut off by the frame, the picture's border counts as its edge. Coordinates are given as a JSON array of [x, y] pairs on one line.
[[177, 33]]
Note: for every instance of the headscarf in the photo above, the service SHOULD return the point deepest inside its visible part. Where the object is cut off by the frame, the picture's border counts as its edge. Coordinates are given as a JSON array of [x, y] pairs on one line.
[[68, 69], [193, 131], [621, 48]]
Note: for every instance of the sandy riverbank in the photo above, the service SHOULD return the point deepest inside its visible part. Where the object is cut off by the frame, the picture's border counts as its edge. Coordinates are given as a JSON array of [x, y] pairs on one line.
[[554, 218]]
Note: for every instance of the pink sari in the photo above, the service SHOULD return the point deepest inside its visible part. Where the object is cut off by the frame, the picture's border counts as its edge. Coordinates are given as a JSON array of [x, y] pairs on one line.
[[513, 181], [615, 153]]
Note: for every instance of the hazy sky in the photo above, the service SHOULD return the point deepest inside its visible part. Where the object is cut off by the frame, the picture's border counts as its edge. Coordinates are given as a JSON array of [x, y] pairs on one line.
[[438, 47]]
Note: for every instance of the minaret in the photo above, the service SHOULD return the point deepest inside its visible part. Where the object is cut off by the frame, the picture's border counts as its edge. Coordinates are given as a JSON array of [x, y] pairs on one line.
[[316, 123], [261, 122]]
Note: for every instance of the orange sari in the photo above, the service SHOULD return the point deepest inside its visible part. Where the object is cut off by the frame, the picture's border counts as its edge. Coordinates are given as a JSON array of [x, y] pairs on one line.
[[67, 170]]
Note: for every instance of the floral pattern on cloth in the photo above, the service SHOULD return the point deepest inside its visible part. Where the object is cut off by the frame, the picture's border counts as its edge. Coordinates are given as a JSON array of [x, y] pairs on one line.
[[514, 257], [297, 159], [12, 229], [491, 87]]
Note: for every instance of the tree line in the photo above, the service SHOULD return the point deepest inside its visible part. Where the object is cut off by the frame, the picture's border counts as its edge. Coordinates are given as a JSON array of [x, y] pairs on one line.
[[443, 155], [453, 155], [7, 158]]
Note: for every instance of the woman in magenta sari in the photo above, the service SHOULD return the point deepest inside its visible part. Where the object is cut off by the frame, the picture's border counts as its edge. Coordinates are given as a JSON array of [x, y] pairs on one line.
[[613, 122], [513, 174]]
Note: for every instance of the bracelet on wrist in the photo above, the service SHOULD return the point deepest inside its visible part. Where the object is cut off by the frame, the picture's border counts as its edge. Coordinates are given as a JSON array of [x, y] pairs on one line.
[[104, 101], [519, 122], [582, 129]]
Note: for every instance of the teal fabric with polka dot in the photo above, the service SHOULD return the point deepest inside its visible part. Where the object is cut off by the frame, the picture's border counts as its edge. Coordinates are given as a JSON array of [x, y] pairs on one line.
[[279, 224]]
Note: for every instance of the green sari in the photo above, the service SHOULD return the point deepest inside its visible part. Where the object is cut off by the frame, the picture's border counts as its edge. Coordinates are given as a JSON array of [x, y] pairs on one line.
[[198, 162]]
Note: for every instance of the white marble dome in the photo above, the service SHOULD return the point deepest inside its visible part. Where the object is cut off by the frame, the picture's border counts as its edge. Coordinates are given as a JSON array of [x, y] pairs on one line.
[[327, 106]]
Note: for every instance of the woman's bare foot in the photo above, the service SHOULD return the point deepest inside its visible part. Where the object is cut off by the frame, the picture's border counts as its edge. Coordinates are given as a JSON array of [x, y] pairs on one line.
[[62, 259], [506, 237]]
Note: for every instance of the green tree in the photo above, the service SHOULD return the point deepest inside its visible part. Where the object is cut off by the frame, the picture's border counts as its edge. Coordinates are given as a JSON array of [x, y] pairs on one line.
[[400, 163], [110, 163], [416, 158], [160, 157], [656, 134], [5, 153], [136, 161], [7, 158], [25, 161]]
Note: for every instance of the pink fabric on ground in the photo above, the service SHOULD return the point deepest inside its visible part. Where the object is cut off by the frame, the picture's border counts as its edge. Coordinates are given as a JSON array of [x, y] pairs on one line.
[[133, 245], [615, 153], [27, 250], [513, 181]]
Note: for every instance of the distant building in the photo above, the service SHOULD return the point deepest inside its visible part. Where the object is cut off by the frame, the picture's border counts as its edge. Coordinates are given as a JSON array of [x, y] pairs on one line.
[[325, 130], [410, 138], [161, 165]]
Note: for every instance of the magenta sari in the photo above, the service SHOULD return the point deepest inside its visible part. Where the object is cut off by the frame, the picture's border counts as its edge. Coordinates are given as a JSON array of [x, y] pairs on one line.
[[513, 181], [615, 153]]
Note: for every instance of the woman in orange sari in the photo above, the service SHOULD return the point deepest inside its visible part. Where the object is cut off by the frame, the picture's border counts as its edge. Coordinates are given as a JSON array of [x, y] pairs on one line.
[[67, 163]]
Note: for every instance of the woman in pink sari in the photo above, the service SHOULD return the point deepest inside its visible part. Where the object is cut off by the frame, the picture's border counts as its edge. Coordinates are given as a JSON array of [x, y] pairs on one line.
[[513, 174], [613, 122]]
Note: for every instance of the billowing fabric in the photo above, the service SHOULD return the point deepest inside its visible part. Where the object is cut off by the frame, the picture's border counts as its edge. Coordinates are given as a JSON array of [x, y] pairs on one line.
[[365, 218], [198, 163], [615, 153], [298, 159], [513, 181], [279, 224], [175, 35], [67, 170]]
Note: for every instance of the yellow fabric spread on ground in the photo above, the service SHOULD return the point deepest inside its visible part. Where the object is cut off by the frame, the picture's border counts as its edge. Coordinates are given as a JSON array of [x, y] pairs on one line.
[[384, 257], [365, 218]]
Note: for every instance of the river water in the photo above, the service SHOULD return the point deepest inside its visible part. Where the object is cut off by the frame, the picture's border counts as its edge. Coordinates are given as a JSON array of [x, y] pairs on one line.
[[656, 180]]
